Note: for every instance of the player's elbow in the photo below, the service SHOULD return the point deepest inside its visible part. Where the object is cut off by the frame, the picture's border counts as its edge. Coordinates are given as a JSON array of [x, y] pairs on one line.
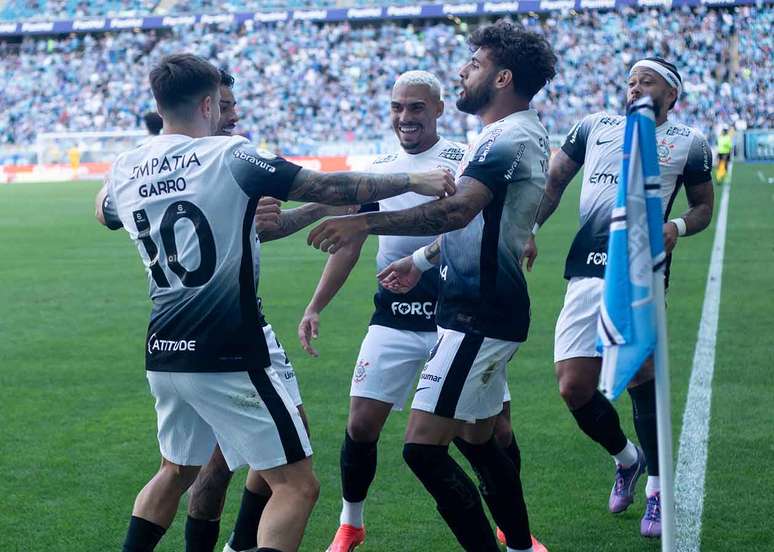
[[460, 216]]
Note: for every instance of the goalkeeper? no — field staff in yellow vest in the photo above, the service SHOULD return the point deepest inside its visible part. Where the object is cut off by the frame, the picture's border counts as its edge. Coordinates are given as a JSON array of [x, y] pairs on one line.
[[725, 147]]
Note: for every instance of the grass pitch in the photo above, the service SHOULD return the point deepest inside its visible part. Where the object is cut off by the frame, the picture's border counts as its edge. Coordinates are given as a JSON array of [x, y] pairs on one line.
[[78, 426]]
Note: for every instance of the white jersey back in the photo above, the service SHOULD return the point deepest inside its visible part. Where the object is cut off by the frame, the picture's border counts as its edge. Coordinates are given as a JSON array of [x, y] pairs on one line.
[[412, 311], [189, 206], [596, 142]]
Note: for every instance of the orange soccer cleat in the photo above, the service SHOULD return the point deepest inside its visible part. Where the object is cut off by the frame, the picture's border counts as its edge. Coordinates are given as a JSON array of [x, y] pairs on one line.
[[347, 538], [537, 546]]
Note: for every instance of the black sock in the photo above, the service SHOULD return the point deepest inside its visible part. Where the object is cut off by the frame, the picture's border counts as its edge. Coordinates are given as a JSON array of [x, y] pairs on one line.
[[249, 517], [358, 467], [500, 486], [455, 495], [142, 535], [644, 409], [201, 535], [513, 453], [599, 420]]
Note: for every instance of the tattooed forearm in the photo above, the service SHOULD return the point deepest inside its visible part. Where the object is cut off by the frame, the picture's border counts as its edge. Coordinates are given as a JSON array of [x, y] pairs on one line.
[[346, 188], [701, 201], [435, 217], [433, 251], [293, 220], [561, 171]]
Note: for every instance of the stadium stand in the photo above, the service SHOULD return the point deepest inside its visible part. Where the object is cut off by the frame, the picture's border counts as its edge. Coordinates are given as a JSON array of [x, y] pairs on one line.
[[303, 84]]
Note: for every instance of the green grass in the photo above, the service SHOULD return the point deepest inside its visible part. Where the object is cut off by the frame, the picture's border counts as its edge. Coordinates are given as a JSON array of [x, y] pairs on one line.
[[78, 425]]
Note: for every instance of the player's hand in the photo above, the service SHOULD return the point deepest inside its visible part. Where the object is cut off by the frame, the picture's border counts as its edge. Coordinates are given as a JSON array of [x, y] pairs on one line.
[[530, 253], [670, 236], [308, 329], [267, 214], [400, 276], [333, 234], [438, 183]]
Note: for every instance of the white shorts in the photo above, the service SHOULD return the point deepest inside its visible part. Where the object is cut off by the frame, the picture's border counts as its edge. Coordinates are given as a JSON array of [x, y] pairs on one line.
[[388, 364], [576, 327], [281, 363], [465, 378], [249, 414]]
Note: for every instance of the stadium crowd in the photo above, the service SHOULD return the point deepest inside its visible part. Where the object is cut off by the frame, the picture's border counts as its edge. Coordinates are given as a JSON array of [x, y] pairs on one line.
[[302, 84]]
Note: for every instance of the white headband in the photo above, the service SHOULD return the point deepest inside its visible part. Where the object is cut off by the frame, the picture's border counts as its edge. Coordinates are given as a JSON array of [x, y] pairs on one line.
[[669, 76]]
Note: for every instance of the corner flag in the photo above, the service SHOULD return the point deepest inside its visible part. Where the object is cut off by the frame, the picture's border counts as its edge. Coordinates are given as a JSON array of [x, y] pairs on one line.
[[627, 325]]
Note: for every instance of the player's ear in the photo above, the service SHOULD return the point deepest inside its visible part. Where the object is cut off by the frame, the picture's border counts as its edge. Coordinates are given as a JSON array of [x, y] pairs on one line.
[[439, 109], [206, 107], [504, 78]]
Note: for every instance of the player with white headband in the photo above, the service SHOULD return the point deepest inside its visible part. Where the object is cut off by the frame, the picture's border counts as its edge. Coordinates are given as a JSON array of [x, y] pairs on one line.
[[596, 142]]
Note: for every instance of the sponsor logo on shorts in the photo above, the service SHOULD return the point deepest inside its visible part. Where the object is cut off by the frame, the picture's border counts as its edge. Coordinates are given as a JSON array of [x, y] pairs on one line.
[[170, 345], [289, 375], [360, 371], [430, 377], [487, 375], [415, 308]]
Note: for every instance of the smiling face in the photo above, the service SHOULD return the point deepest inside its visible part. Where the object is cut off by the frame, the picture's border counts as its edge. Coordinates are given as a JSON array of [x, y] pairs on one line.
[[477, 83], [228, 113], [414, 110], [646, 82]]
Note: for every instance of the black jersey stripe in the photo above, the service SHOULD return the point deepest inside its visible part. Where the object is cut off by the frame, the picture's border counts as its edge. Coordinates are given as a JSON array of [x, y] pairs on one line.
[[248, 304], [288, 434], [457, 374], [490, 240]]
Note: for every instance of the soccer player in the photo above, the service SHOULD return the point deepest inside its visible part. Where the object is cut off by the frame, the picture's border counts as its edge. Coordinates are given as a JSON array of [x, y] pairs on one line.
[[402, 329], [208, 493], [483, 306], [596, 142], [188, 200]]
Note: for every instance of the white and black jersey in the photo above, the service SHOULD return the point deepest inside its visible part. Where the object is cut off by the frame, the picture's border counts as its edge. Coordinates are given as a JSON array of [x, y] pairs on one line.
[[483, 290], [684, 158], [189, 205], [413, 311]]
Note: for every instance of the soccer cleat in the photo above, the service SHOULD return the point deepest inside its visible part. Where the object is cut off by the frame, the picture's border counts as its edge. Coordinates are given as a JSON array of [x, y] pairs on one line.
[[650, 526], [537, 546], [347, 538], [227, 548], [622, 494]]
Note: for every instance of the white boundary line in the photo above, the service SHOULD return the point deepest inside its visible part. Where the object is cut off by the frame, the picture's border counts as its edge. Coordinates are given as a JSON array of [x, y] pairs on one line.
[[692, 456]]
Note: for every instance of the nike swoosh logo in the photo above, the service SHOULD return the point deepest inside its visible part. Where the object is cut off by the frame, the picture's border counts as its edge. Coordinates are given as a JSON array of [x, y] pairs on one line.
[[605, 142], [422, 389]]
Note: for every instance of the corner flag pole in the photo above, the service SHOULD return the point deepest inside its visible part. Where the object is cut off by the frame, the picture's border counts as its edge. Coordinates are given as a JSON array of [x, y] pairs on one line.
[[664, 419]]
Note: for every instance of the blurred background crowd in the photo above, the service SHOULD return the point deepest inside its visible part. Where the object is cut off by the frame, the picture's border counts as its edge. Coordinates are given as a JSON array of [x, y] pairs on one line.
[[305, 88]]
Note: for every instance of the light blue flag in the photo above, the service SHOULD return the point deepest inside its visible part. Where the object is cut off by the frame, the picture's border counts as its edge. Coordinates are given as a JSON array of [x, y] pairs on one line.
[[635, 255]]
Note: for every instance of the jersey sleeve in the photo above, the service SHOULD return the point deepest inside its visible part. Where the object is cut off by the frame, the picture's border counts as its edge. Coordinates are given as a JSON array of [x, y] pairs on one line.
[[575, 143], [698, 164], [497, 161], [109, 210], [259, 172]]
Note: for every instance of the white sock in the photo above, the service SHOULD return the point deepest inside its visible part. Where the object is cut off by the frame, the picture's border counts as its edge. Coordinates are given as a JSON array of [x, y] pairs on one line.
[[352, 513], [653, 486], [509, 549], [627, 456]]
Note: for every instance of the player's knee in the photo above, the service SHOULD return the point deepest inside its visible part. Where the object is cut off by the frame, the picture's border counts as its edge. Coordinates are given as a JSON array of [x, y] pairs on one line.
[[307, 488], [363, 430], [575, 392], [182, 476]]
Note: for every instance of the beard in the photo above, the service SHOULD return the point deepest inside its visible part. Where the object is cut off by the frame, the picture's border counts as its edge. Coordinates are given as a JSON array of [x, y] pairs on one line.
[[476, 99]]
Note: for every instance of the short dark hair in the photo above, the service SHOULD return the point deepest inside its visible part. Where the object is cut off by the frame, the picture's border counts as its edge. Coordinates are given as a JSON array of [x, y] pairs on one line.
[[226, 78], [153, 122], [180, 81], [527, 55], [671, 67]]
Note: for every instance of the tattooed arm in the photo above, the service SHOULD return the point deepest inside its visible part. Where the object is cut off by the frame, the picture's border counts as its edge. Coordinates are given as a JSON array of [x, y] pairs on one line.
[[435, 217], [347, 188], [291, 221], [561, 171]]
